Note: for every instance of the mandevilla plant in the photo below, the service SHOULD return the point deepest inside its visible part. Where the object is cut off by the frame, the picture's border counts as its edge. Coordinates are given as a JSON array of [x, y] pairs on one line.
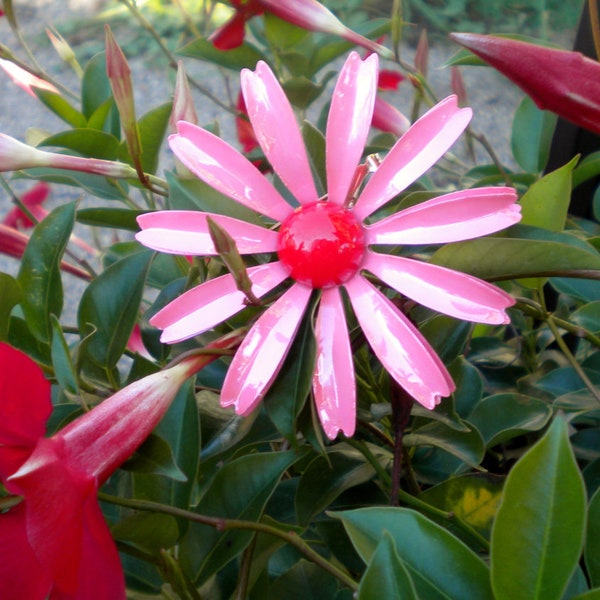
[[327, 359]]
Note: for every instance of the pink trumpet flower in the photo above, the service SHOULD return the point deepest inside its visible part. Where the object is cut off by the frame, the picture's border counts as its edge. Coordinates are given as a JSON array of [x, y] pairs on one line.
[[55, 543], [564, 82], [308, 14], [25, 80], [324, 244]]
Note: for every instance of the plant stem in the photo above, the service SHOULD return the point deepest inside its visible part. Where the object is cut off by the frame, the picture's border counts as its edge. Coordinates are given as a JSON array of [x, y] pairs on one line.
[[223, 524]]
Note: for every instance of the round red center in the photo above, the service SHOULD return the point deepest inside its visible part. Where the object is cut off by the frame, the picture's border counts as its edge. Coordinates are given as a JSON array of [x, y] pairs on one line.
[[321, 244]]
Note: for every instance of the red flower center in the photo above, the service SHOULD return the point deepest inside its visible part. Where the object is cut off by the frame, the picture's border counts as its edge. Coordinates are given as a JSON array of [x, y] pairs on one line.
[[321, 244]]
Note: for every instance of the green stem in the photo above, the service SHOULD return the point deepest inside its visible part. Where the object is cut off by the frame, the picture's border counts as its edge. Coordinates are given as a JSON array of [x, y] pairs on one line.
[[223, 524]]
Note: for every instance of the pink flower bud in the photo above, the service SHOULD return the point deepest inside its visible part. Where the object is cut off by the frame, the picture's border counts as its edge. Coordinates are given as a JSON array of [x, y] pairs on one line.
[[564, 82], [183, 103]]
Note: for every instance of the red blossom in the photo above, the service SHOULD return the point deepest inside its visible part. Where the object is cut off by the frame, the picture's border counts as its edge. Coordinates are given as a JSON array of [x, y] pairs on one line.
[[564, 82], [55, 543], [32, 200]]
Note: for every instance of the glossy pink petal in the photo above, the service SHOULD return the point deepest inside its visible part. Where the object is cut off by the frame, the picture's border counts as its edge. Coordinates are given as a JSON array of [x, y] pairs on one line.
[[186, 232], [261, 355], [277, 132], [333, 382], [444, 290], [400, 347], [453, 217], [414, 153], [21, 573], [225, 169], [24, 399], [349, 122], [212, 302]]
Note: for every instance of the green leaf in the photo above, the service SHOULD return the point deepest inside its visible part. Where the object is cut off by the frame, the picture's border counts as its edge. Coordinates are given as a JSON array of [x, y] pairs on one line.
[[155, 457], [588, 316], [287, 395], [87, 142], [149, 532], [39, 275], [537, 536], [467, 446], [440, 565], [502, 417], [180, 429], [95, 86], [496, 258], [314, 141], [474, 498], [119, 218], [592, 540], [546, 202], [110, 304], [386, 576], [304, 581], [245, 56], [64, 369], [589, 595], [447, 336], [531, 136], [10, 296], [239, 490], [326, 477], [61, 108], [151, 129], [588, 168]]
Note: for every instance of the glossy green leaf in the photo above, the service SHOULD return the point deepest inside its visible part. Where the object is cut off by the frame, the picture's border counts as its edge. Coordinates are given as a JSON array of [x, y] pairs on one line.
[[314, 141], [152, 128], [501, 417], [39, 275], [447, 336], [439, 564], [474, 498], [95, 86], [592, 540], [537, 536], [86, 142], [239, 490], [149, 532], [286, 397], [469, 386], [64, 370], [304, 581], [10, 295], [467, 446], [326, 477], [119, 218], [155, 457], [588, 316], [587, 290], [546, 202], [589, 595], [110, 304], [386, 576], [508, 258], [180, 429], [532, 131], [245, 56], [61, 108], [588, 168]]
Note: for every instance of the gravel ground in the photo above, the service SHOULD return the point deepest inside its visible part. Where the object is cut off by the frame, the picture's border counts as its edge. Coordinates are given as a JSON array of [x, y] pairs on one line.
[[492, 98]]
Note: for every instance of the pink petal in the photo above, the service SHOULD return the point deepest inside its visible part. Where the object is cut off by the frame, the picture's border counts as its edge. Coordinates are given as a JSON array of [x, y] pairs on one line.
[[24, 399], [349, 122], [400, 347], [333, 382], [413, 154], [259, 358], [225, 169], [388, 118], [447, 291], [212, 302], [21, 574], [460, 215], [277, 131], [186, 232]]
